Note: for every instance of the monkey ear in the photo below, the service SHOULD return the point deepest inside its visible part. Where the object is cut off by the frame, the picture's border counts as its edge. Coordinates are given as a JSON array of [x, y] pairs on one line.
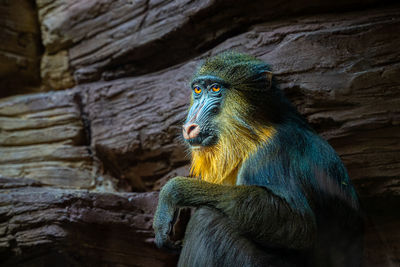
[[269, 75]]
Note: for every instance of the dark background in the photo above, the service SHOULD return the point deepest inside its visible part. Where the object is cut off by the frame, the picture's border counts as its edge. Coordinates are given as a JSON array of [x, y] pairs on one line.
[[93, 94]]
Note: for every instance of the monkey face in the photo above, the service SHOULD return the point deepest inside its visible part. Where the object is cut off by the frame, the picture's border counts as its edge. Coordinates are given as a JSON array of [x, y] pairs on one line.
[[201, 126]]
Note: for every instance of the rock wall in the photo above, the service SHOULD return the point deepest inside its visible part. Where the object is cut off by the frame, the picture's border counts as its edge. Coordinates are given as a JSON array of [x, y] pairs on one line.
[[113, 81], [61, 227]]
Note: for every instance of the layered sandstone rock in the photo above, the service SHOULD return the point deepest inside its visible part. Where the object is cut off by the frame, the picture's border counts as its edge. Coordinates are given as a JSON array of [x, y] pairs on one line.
[[42, 226], [43, 137]]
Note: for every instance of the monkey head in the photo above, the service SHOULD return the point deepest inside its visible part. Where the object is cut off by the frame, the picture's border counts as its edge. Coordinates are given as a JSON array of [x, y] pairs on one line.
[[227, 92]]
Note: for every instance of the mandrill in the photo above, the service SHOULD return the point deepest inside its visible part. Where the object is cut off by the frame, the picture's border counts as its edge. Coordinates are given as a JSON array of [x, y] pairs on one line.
[[270, 192]]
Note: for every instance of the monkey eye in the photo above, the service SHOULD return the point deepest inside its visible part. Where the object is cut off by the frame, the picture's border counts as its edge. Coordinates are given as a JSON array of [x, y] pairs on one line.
[[197, 90], [216, 88]]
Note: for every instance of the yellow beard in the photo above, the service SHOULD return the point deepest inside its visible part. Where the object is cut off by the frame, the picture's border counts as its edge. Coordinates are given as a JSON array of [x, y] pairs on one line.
[[220, 163]]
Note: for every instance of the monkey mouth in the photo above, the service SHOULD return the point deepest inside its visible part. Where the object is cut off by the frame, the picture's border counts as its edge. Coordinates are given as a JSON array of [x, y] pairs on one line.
[[202, 141]]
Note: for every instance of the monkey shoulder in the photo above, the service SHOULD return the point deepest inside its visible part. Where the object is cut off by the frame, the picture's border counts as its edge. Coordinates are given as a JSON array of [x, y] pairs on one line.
[[299, 166]]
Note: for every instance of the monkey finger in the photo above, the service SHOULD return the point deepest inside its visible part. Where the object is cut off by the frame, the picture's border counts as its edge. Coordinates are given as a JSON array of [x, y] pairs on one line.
[[160, 239]]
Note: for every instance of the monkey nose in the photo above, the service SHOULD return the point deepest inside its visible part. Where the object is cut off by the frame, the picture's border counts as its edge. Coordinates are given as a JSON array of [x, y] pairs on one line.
[[190, 130]]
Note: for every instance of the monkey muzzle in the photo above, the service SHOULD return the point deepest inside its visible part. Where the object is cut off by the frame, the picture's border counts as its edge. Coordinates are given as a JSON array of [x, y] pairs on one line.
[[190, 130]]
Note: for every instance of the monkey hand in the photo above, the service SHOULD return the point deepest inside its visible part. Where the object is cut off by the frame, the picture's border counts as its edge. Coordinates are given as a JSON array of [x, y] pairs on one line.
[[165, 217]]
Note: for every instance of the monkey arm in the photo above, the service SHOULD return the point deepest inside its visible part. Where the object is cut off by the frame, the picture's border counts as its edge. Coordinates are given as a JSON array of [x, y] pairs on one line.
[[256, 212]]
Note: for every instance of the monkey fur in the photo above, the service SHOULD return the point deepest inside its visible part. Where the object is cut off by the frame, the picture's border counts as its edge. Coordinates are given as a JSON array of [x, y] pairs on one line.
[[270, 191]]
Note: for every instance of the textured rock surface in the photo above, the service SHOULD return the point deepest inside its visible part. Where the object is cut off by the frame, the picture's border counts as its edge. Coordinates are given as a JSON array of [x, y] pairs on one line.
[[75, 227], [55, 71], [19, 47], [42, 137], [126, 67], [136, 123], [107, 39]]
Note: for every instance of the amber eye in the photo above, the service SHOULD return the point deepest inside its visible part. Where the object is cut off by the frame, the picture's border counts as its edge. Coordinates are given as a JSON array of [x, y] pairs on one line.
[[216, 88], [197, 90]]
